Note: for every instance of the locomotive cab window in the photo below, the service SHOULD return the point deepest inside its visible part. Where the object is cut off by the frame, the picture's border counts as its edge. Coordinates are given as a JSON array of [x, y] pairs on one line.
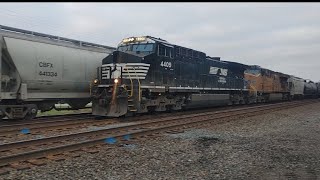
[[168, 52], [145, 48], [124, 48], [142, 47], [165, 51], [177, 50]]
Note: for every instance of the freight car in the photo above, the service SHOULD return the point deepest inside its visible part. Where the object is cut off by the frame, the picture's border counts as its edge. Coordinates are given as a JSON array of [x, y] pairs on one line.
[[38, 70], [296, 87], [310, 89], [150, 74]]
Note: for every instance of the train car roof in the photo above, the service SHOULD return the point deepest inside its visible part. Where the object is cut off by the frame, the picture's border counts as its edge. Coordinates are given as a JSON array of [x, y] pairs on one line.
[[265, 69], [162, 41], [159, 40], [28, 33], [236, 65], [166, 42]]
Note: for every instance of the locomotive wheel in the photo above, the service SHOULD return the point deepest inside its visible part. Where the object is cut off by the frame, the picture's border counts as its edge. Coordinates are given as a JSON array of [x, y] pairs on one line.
[[32, 114]]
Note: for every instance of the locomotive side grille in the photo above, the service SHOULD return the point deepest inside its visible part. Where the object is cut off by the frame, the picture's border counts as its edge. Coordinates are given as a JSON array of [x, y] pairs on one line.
[[129, 70]]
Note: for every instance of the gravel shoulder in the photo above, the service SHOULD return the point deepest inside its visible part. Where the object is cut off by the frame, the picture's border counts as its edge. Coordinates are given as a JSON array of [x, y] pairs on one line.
[[279, 145]]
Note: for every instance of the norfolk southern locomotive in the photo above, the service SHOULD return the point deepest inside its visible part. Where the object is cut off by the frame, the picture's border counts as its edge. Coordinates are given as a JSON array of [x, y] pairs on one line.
[[150, 74]]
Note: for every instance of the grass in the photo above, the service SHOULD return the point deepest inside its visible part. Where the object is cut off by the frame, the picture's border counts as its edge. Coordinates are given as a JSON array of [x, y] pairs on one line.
[[63, 112], [54, 112]]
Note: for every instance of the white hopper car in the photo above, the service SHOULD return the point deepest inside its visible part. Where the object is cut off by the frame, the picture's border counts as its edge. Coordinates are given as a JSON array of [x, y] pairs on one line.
[[296, 87], [39, 70]]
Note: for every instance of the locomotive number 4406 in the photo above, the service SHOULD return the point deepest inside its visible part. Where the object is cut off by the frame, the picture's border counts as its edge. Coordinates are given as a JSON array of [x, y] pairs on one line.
[[165, 64]]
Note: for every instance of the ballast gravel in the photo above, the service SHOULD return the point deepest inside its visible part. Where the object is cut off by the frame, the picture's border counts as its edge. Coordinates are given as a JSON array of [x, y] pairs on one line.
[[279, 145]]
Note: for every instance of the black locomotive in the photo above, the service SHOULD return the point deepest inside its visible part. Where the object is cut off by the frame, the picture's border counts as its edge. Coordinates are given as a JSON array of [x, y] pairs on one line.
[[150, 74]]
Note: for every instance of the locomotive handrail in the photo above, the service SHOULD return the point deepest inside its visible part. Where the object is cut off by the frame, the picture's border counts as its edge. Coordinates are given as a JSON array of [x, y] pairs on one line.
[[254, 89], [90, 86], [131, 94], [139, 85]]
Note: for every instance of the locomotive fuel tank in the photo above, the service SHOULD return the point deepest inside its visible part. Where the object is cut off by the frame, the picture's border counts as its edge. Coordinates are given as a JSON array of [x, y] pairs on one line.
[[40, 70]]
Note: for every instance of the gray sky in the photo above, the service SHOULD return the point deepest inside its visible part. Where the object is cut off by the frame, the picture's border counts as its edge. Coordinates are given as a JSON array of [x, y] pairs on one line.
[[282, 37]]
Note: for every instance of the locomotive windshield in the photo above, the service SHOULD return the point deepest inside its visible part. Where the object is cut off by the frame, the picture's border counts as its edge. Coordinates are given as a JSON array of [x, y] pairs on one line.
[[252, 71], [124, 48], [255, 70], [145, 48], [142, 47]]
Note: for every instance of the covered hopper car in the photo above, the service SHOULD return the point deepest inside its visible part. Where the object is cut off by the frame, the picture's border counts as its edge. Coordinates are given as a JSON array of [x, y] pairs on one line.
[[38, 70], [296, 87]]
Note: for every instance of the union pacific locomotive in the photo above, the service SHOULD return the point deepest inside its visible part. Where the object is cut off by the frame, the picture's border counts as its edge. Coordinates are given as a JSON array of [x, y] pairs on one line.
[[150, 74]]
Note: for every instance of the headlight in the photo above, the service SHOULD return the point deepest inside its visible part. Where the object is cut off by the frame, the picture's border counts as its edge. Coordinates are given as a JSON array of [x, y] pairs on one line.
[[116, 81], [96, 81]]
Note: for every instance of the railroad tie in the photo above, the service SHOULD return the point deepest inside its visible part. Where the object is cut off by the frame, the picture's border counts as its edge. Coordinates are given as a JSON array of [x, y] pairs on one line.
[[73, 154], [37, 162], [20, 166], [90, 150], [5, 170], [57, 157], [175, 131]]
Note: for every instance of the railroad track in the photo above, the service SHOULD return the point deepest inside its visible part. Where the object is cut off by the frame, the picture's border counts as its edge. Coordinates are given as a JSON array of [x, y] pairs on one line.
[[12, 132], [20, 155], [60, 124], [43, 119]]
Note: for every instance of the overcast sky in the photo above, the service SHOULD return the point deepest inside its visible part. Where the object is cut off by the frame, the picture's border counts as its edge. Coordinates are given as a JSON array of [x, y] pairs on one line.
[[282, 37]]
